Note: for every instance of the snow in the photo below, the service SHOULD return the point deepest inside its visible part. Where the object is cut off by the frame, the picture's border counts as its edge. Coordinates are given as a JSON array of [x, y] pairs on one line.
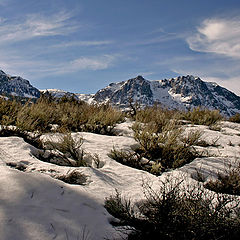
[[35, 205]]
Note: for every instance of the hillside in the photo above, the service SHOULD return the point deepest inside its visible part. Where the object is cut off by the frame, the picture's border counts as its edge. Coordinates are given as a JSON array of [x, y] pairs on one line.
[[36, 205]]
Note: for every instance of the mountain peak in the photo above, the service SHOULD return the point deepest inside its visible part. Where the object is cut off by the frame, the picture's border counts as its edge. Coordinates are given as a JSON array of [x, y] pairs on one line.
[[17, 86], [139, 77], [182, 92]]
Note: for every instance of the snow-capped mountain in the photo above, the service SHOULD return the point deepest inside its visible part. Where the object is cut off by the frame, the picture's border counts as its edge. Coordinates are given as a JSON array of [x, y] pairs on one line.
[[183, 92], [57, 93], [17, 86]]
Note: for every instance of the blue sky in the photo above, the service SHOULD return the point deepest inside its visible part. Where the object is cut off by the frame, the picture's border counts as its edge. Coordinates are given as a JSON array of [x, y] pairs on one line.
[[83, 45]]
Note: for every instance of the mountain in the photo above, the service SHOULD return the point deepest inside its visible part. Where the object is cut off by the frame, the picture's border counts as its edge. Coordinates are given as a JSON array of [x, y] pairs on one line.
[[57, 93], [17, 86], [185, 92]]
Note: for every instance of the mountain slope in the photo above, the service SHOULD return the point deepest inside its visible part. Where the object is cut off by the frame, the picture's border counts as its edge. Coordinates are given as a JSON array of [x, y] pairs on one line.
[[185, 92], [17, 86]]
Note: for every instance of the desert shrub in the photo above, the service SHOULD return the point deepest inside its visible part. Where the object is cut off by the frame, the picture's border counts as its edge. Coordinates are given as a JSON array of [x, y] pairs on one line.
[[67, 113], [202, 116], [169, 147], [159, 151], [227, 182], [157, 114], [8, 111], [175, 212], [36, 116], [74, 177], [128, 157], [68, 147], [102, 119], [235, 118]]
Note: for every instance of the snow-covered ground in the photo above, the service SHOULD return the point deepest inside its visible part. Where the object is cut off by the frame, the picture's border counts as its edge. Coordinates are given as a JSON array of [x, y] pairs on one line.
[[34, 205]]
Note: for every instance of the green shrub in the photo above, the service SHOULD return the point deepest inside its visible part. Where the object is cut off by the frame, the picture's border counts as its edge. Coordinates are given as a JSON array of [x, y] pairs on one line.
[[159, 151], [178, 213], [201, 116]]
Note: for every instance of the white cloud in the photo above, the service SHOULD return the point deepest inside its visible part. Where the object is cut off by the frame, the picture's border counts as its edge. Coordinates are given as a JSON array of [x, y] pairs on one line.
[[91, 63], [217, 35], [36, 25]]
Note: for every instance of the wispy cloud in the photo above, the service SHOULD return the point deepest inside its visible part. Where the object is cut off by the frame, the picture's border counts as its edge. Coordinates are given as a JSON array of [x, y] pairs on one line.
[[217, 35], [41, 68], [36, 25], [89, 63], [82, 43]]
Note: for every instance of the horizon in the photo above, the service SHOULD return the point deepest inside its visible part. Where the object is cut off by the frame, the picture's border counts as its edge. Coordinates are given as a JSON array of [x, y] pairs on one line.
[[83, 46]]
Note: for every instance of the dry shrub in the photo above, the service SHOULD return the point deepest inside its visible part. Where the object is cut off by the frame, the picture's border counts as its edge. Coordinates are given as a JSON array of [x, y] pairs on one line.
[[67, 113], [74, 177], [175, 212], [235, 118], [228, 182], [8, 111], [69, 149], [163, 144], [169, 147], [128, 157], [202, 116], [156, 114], [36, 116]]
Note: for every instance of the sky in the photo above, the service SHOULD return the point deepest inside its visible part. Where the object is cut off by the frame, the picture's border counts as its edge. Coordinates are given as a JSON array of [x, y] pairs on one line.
[[83, 45]]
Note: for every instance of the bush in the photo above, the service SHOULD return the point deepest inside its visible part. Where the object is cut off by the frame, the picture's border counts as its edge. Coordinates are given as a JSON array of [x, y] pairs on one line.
[[177, 213], [228, 183], [36, 116], [235, 118], [162, 144], [74, 177], [129, 158], [201, 116], [169, 146], [67, 113], [157, 114], [8, 111], [68, 147]]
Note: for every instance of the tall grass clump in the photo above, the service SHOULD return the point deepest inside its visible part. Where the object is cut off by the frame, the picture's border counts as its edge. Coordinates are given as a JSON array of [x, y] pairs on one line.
[[202, 116], [174, 213]]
